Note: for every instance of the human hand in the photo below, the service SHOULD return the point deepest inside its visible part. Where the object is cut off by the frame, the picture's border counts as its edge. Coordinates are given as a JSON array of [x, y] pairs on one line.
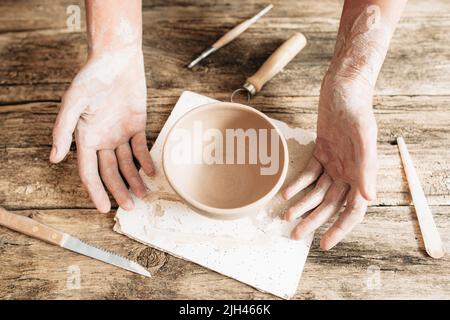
[[344, 162], [106, 107], [345, 155]]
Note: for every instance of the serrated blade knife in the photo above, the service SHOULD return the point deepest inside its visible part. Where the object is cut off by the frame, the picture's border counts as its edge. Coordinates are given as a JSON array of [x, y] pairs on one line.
[[43, 232]]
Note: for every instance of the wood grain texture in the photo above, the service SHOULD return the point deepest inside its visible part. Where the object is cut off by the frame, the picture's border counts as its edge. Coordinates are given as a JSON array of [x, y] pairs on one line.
[[175, 32], [39, 57], [26, 140], [34, 269]]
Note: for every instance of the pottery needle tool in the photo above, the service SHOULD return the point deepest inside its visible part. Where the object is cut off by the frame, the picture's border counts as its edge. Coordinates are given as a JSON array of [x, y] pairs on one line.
[[230, 36], [430, 234], [274, 64], [48, 234]]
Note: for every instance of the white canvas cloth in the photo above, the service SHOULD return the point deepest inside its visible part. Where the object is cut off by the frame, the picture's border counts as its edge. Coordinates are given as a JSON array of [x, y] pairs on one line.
[[255, 250]]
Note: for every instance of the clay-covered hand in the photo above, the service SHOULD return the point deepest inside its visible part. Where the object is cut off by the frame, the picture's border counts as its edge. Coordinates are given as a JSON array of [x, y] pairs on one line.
[[106, 107], [344, 162], [345, 156]]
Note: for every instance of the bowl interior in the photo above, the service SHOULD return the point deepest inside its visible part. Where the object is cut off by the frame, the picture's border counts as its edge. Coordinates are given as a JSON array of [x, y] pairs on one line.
[[209, 162]]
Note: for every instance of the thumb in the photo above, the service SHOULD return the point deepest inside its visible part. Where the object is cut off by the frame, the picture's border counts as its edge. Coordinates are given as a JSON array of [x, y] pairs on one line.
[[66, 121], [368, 180], [368, 171]]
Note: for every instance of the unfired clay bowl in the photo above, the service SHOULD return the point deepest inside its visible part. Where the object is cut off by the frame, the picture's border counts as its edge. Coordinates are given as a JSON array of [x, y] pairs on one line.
[[224, 191]]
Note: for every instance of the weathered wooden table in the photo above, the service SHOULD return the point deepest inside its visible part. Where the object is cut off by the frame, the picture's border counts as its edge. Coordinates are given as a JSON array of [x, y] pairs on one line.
[[383, 258]]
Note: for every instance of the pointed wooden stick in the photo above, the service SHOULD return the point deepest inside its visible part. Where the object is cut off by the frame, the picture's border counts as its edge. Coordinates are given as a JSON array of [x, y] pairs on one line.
[[430, 234]]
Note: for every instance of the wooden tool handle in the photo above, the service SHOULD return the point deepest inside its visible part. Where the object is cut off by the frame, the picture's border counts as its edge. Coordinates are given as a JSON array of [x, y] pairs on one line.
[[237, 30], [430, 234], [30, 227], [232, 34], [277, 61]]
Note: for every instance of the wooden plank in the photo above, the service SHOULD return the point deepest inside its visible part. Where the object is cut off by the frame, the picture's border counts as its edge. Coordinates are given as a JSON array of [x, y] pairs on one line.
[[417, 64], [50, 14], [387, 244], [420, 119], [23, 16], [29, 181], [39, 57], [383, 258]]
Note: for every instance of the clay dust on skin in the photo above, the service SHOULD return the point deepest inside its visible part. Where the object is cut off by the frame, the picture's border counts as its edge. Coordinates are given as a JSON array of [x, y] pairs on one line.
[[113, 61], [359, 53], [96, 89], [125, 31], [107, 67], [97, 84], [360, 50]]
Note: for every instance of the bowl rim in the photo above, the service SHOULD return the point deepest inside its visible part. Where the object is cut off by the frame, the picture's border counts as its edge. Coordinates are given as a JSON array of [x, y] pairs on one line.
[[227, 212]]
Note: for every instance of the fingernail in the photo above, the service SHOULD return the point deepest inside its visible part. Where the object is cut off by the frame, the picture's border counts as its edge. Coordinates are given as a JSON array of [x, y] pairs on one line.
[[286, 194], [129, 205], [104, 209], [288, 215], [140, 193], [53, 153], [326, 247], [295, 236]]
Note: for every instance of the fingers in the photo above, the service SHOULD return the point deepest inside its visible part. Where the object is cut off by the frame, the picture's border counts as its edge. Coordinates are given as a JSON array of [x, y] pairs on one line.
[[353, 214], [66, 121], [88, 169], [140, 151], [311, 199], [129, 170], [331, 205], [309, 175], [112, 179]]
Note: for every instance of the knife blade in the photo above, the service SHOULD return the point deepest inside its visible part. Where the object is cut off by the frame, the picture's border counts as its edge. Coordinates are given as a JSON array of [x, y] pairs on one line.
[[43, 232], [74, 244]]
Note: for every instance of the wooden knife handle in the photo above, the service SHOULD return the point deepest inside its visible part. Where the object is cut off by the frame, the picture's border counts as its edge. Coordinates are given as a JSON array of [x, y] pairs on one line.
[[30, 227], [277, 61]]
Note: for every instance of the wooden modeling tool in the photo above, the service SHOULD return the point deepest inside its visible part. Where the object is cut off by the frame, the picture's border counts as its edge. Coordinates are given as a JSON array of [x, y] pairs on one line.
[[43, 232], [430, 234], [230, 36], [274, 64]]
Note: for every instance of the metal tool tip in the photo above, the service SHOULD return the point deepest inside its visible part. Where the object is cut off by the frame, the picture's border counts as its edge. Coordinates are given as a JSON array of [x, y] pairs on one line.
[[140, 269], [195, 61], [203, 55], [265, 10], [192, 64]]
